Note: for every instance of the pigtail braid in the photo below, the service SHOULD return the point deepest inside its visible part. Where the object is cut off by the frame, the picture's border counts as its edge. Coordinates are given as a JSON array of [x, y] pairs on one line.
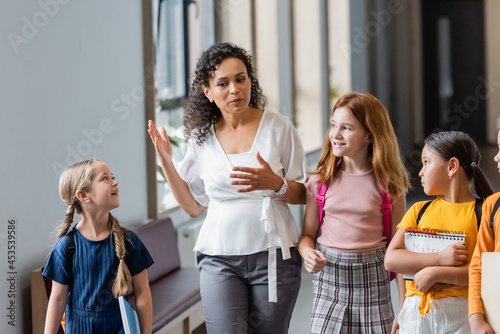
[[68, 220], [123, 281]]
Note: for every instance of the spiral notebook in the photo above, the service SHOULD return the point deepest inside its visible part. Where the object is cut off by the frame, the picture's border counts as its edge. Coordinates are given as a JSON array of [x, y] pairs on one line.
[[427, 241]]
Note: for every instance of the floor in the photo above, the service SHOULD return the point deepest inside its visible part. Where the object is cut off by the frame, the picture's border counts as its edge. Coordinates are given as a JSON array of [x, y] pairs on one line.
[[302, 311]]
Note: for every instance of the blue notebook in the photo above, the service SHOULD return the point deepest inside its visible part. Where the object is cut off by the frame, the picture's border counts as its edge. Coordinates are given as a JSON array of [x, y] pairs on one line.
[[129, 317]]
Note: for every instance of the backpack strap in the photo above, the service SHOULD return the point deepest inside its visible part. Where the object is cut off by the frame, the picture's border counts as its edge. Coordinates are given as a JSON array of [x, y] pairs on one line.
[[478, 208], [386, 213], [422, 210], [71, 249], [321, 189], [493, 212]]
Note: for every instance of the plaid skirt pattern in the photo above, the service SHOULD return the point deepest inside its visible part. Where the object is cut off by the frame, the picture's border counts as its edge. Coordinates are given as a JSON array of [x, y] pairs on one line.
[[352, 294]]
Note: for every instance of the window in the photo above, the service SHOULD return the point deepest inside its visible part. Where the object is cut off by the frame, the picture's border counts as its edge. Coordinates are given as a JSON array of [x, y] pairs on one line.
[[170, 69], [182, 29]]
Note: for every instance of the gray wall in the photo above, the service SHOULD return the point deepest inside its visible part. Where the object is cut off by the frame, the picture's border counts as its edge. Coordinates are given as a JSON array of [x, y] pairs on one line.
[[71, 88]]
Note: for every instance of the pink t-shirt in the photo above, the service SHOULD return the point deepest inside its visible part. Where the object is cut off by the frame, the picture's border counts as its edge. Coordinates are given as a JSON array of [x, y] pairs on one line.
[[353, 213]]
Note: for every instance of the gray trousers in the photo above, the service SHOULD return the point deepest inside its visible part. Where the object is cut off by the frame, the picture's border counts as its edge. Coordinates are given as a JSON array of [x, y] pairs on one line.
[[234, 293]]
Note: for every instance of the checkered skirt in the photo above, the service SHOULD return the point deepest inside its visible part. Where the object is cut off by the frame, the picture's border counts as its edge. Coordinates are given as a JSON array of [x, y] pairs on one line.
[[352, 294]]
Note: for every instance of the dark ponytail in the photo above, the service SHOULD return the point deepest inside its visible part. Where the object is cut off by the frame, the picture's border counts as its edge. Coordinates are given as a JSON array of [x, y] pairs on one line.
[[480, 183], [456, 144]]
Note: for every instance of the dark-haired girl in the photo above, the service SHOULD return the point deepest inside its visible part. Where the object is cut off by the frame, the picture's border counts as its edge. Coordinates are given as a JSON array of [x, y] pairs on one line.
[[436, 300], [351, 292]]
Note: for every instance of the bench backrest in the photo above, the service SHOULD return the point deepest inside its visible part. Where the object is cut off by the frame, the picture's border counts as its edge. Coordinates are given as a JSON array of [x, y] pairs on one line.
[[160, 239]]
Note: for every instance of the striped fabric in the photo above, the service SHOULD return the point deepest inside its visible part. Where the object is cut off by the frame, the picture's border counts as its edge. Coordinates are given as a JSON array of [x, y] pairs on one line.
[[352, 294], [92, 308], [89, 321]]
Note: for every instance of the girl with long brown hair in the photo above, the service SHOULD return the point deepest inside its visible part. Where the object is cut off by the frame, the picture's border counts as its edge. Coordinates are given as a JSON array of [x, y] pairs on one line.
[[360, 156]]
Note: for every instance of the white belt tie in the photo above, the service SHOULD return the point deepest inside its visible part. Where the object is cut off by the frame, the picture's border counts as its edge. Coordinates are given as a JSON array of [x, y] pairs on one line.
[[274, 223]]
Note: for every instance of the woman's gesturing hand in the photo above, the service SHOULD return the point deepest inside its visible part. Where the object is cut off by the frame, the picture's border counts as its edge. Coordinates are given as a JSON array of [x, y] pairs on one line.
[[259, 178], [161, 142]]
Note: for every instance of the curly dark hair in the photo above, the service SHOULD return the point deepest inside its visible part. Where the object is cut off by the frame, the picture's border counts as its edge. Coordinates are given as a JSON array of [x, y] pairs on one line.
[[200, 112]]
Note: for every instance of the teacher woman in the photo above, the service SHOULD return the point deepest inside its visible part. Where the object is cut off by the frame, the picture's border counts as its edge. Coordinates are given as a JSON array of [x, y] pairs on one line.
[[244, 164]]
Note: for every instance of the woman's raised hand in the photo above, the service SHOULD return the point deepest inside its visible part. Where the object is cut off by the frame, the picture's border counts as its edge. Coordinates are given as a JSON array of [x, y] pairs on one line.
[[162, 144]]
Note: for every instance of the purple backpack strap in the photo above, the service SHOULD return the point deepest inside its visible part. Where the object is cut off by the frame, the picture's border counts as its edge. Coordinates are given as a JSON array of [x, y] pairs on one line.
[[321, 188], [386, 213]]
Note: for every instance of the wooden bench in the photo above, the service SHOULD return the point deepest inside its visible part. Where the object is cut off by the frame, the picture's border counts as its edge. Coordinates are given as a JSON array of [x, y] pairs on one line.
[[40, 292], [175, 291]]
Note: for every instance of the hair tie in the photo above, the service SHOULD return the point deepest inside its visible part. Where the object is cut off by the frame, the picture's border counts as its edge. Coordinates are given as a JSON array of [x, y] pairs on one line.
[[473, 164]]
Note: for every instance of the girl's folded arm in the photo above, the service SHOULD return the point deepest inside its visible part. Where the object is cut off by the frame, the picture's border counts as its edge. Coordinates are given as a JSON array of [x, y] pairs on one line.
[[400, 260], [451, 275]]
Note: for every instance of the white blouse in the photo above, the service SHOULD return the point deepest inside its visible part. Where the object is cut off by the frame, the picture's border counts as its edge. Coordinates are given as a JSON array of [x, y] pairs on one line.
[[245, 223]]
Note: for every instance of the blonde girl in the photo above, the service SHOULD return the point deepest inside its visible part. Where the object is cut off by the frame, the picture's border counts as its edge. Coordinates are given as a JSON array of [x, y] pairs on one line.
[[96, 260], [360, 155], [436, 300]]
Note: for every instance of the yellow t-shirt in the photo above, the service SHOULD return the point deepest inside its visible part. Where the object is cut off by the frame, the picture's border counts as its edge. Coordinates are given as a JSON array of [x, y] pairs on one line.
[[447, 216]]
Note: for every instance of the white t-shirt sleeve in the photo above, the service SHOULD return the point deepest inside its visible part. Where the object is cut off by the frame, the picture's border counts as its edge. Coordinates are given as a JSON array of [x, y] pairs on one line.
[[188, 171], [293, 157]]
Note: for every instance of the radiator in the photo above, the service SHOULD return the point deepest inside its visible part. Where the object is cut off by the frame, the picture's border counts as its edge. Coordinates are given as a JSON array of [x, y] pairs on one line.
[[186, 237]]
